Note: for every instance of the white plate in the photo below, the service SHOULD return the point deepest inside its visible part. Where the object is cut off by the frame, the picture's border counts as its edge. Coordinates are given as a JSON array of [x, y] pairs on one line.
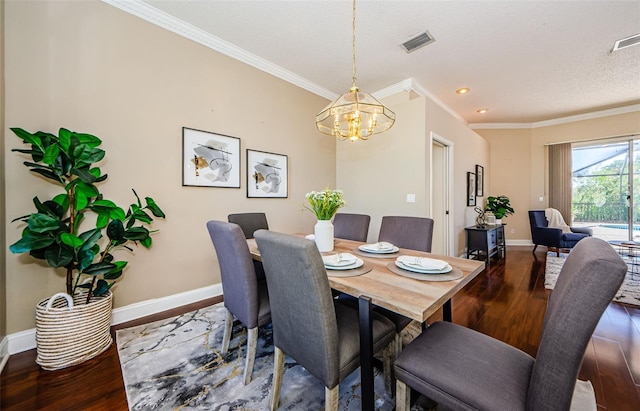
[[371, 248], [333, 261], [359, 263], [423, 263], [423, 271]]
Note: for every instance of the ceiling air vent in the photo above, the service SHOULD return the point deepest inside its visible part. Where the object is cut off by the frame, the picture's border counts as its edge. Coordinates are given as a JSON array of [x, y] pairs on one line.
[[418, 41], [628, 42]]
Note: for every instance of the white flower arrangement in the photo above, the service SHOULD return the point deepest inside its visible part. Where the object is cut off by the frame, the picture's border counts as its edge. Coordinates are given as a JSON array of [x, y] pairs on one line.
[[325, 203]]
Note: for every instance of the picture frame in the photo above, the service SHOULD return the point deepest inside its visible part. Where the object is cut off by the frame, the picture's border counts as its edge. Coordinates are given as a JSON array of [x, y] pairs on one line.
[[471, 189], [479, 180], [210, 159], [267, 174]]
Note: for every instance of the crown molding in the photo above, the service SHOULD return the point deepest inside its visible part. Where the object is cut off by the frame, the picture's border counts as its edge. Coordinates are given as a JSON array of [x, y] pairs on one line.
[[561, 120], [175, 25], [411, 85]]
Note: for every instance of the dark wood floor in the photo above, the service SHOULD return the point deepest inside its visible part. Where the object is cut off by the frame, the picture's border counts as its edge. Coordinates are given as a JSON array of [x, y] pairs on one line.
[[506, 301]]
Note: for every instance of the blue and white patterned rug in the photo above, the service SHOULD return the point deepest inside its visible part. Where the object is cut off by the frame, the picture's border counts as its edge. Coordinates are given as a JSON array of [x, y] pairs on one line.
[[175, 364], [629, 292]]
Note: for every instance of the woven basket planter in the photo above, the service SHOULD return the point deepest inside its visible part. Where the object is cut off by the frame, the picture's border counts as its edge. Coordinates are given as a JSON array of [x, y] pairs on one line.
[[69, 332]]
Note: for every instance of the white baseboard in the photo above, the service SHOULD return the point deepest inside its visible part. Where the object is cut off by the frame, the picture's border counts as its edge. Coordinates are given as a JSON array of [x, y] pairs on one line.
[[519, 242], [4, 352], [26, 340]]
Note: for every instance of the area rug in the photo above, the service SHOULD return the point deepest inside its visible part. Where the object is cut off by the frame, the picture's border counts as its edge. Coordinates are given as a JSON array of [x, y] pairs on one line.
[[175, 364], [629, 292]]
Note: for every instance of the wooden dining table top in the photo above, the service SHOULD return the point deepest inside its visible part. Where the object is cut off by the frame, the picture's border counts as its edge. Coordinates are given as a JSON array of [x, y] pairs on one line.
[[416, 299]]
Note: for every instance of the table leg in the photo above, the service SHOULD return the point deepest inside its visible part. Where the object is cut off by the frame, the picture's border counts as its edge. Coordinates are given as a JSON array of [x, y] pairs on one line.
[[366, 353], [446, 311]]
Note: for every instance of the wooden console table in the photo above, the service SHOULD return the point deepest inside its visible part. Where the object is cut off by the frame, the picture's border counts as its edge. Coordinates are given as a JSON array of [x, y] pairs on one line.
[[484, 242]]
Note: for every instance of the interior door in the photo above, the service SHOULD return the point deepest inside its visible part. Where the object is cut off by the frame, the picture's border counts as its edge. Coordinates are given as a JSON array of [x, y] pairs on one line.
[[440, 193]]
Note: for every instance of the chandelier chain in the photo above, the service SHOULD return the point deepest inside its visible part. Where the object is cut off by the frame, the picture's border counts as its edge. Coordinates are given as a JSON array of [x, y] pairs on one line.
[[354, 43]]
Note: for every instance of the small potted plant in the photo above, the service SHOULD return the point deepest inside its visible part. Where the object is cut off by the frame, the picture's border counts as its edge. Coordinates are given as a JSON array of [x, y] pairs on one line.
[[324, 205], [53, 233], [500, 207]]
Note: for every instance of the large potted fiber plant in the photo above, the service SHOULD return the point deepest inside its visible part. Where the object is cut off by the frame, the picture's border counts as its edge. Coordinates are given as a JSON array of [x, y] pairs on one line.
[[73, 327]]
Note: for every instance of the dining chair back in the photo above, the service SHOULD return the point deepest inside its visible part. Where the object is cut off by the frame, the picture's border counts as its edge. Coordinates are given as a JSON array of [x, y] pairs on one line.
[[351, 226], [245, 297], [414, 233], [249, 222], [463, 369], [318, 332]]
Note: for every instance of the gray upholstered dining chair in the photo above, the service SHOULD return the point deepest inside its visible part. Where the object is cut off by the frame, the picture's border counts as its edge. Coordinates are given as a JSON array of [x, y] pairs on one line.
[[245, 297], [351, 226], [249, 222], [414, 233], [318, 332], [463, 369]]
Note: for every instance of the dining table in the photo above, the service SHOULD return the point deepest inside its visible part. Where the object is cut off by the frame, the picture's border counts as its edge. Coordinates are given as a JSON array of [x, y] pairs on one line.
[[380, 281]]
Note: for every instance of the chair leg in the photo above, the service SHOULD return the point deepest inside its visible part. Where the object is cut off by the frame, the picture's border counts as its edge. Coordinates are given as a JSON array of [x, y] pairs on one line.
[[252, 342], [228, 328], [278, 369], [534, 248], [388, 358], [331, 398], [403, 396]]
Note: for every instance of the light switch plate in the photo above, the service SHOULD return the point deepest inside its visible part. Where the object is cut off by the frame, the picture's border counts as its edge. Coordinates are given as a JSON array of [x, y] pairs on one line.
[[411, 198]]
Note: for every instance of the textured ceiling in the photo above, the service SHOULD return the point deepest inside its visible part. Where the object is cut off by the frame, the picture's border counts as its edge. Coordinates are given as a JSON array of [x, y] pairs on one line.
[[526, 61]]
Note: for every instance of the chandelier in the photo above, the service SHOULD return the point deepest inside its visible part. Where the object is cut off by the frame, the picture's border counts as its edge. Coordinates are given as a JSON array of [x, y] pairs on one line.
[[355, 115]]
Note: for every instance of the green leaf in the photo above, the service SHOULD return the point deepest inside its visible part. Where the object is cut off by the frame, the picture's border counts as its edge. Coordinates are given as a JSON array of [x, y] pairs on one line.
[[142, 216], [99, 268], [102, 287], [42, 223], [84, 175], [48, 174], [85, 258], [86, 155], [115, 230], [58, 256], [30, 242], [90, 238], [117, 214], [136, 233], [155, 209], [146, 242], [88, 190], [62, 200], [53, 209], [88, 139], [102, 220], [71, 240], [28, 137], [116, 272], [65, 140], [51, 154]]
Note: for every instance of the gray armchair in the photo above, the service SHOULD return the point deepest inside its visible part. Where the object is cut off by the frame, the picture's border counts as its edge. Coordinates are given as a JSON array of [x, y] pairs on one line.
[[318, 332], [244, 296], [465, 370], [351, 226]]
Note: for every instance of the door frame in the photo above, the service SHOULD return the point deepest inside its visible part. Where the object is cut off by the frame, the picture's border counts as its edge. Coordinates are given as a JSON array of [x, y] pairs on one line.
[[448, 194]]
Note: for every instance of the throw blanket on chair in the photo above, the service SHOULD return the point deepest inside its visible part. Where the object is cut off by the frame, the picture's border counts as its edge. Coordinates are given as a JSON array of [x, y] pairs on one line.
[[556, 220]]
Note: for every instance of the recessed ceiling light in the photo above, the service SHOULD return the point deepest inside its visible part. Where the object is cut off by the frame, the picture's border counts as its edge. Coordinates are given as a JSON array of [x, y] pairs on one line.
[[463, 90], [482, 110]]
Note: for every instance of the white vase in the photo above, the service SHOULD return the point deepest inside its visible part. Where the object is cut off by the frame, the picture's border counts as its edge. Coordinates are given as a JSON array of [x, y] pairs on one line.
[[323, 232], [498, 221]]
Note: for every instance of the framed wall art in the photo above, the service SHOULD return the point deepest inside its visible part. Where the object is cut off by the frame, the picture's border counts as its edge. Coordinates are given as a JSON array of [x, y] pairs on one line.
[[210, 159], [267, 175], [479, 181], [471, 189]]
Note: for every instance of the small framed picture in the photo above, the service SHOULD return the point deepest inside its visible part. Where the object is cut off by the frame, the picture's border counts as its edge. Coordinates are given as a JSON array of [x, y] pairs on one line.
[[210, 159], [267, 175], [471, 189], [479, 181]]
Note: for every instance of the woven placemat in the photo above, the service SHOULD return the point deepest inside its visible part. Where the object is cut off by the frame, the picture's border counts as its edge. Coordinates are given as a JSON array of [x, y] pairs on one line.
[[376, 255], [350, 273], [454, 274]]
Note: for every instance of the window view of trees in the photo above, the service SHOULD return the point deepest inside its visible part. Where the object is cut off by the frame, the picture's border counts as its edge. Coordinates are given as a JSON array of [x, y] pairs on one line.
[[601, 186]]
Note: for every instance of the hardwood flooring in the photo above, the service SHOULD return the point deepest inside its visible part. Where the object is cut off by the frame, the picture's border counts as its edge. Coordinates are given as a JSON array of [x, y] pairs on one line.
[[506, 301]]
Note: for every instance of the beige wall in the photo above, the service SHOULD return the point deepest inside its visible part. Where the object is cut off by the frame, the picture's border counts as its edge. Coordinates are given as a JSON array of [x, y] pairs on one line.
[[3, 231], [90, 67], [519, 160], [396, 163]]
